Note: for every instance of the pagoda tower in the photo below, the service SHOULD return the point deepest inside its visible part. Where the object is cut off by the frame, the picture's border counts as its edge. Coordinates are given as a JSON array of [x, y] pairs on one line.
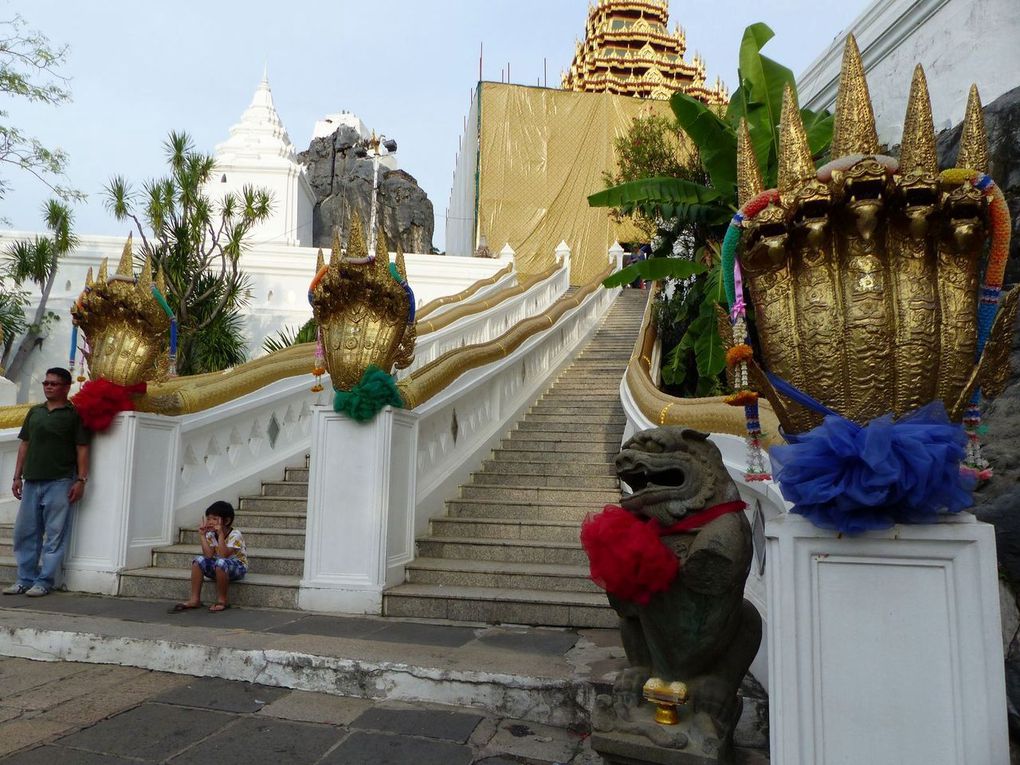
[[628, 50]]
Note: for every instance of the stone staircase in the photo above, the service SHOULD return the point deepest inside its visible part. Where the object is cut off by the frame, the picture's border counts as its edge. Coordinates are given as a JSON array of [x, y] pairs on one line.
[[507, 550]]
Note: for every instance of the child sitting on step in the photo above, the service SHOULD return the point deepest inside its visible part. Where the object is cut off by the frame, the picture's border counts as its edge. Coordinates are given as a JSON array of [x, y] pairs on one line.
[[224, 558]]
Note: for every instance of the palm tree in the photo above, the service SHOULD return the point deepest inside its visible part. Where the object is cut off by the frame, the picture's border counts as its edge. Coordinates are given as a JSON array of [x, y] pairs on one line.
[[34, 262], [197, 244]]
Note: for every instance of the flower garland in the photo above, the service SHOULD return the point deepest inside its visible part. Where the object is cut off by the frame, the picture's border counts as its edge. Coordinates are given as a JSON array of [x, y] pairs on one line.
[[998, 251], [740, 353]]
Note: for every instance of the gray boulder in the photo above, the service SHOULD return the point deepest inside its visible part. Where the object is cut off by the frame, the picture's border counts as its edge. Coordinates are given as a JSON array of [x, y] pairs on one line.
[[342, 183]]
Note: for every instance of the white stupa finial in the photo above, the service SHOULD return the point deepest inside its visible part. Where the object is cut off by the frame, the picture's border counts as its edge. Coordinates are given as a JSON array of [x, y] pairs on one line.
[[265, 72]]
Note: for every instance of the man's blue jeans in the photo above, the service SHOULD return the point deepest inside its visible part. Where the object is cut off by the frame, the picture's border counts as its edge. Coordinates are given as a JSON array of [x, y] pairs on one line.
[[45, 510]]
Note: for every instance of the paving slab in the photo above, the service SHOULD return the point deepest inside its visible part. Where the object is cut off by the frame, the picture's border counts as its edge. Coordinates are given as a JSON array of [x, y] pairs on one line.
[[430, 723], [168, 730], [222, 695], [533, 741], [305, 706], [263, 742], [545, 642], [61, 755], [425, 634], [362, 747], [330, 626]]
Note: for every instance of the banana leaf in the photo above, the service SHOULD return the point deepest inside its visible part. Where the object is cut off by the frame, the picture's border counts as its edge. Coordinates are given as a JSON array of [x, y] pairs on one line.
[[654, 269], [715, 139]]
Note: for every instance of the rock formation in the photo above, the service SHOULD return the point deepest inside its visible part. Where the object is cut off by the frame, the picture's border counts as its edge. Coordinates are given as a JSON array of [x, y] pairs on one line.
[[342, 183]]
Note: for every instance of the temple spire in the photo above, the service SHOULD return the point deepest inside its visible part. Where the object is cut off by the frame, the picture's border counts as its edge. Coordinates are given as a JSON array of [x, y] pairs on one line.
[[917, 151], [853, 131], [973, 141]]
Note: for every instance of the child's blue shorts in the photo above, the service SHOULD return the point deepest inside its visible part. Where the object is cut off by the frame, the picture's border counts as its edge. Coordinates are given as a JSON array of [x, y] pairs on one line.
[[234, 568]]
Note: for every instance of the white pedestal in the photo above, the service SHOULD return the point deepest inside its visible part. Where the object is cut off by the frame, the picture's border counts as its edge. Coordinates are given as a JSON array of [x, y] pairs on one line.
[[128, 504], [885, 648], [361, 500]]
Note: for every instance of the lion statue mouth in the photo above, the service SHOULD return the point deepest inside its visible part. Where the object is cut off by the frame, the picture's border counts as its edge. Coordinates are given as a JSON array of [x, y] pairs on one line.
[[652, 480]]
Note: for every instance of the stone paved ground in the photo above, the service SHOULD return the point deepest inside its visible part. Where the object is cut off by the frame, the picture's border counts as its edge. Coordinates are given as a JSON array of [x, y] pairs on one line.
[[63, 713]]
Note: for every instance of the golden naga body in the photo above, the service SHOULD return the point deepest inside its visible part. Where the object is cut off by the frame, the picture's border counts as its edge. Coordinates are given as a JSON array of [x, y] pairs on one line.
[[362, 311], [125, 327], [864, 275]]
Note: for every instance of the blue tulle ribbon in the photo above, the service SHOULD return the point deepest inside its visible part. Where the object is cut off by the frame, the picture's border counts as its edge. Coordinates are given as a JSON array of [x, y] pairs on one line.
[[850, 478]]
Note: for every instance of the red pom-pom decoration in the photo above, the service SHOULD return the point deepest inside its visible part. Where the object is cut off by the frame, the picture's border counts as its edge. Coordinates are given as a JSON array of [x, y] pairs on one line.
[[626, 556], [99, 401]]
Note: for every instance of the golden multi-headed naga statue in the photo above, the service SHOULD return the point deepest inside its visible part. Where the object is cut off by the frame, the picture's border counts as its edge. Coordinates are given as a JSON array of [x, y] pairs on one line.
[[864, 274], [125, 326], [363, 311]]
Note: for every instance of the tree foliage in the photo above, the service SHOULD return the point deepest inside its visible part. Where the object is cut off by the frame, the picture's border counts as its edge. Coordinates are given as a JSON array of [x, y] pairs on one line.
[[197, 242], [30, 70], [692, 216], [289, 336], [32, 262]]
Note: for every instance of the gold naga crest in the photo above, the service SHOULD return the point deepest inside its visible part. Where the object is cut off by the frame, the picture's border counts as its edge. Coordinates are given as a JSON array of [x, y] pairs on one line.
[[864, 274], [125, 326], [362, 310]]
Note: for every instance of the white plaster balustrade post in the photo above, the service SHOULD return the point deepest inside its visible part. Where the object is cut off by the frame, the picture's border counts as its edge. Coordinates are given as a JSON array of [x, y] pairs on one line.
[[885, 647], [128, 507], [616, 256], [507, 253], [8, 392], [563, 254], [361, 503]]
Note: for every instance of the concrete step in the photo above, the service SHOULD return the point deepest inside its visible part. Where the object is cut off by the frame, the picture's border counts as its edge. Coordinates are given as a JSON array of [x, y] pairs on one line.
[[500, 606], [270, 519], [8, 569], [609, 420], [448, 527], [575, 492], [257, 538], [614, 430], [501, 575], [519, 551], [604, 449], [513, 465], [607, 483], [579, 408], [565, 436], [520, 511], [273, 504], [280, 561], [285, 489], [6, 549], [296, 474], [255, 590], [539, 452]]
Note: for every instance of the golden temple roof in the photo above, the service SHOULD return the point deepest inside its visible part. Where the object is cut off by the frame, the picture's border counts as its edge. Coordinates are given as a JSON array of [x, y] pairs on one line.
[[629, 50]]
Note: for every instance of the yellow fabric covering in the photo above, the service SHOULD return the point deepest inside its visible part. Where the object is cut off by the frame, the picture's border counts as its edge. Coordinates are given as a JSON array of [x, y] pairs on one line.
[[541, 153]]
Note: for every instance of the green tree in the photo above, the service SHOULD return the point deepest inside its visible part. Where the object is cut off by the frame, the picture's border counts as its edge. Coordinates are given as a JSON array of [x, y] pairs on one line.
[[693, 216], [289, 336], [30, 70], [35, 263], [198, 244]]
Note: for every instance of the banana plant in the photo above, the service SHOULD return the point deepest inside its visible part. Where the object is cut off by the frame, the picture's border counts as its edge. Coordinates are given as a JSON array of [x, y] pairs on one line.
[[707, 208]]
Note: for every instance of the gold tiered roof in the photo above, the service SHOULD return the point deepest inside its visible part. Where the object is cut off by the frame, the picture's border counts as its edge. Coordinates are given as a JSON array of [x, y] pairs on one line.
[[629, 50]]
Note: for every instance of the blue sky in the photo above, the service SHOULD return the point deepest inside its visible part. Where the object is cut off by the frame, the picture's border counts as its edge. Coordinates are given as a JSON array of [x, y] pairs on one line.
[[406, 67]]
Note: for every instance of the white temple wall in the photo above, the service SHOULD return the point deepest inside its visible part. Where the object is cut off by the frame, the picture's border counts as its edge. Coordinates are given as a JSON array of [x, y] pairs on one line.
[[279, 294], [291, 220], [958, 42], [461, 214]]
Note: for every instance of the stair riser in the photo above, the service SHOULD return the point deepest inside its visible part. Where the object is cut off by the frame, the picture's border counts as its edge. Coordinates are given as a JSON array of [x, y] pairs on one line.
[[518, 453], [501, 581], [506, 530], [596, 429], [285, 490], [536, 419], [539, 494], [506, 464], [505, 552], [241, 594], [464, 509], [554, 434], [6, 548], [604, 450], [584, 410], [552, 615], [255, 539], [253, 520], [277, 504], [490, 478], [296, 474], [256, 564]]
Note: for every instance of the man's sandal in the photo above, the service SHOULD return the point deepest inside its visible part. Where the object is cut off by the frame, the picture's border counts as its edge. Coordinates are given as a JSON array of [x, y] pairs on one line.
[[178, 607], [217, 607]]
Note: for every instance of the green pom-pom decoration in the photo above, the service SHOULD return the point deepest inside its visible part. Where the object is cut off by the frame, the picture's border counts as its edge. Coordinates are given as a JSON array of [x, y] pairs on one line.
[[365, 400]]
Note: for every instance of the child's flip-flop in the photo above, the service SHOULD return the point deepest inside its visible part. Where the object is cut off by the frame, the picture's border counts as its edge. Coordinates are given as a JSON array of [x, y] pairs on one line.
[[217, 607], [178, 607]]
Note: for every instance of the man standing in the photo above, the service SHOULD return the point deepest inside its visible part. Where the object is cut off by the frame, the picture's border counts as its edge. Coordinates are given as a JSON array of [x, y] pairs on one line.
[[49, 478]]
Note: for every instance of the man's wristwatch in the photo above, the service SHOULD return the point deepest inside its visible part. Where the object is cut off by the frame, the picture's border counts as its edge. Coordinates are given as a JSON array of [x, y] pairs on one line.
[[81, 480]]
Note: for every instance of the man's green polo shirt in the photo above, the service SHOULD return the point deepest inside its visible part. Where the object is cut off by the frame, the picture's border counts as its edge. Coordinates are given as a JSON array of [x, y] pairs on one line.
[[53, 436]]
